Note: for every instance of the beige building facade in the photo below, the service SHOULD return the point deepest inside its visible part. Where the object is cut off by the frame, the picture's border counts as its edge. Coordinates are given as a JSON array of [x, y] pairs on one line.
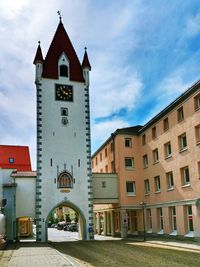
[[157, 164]]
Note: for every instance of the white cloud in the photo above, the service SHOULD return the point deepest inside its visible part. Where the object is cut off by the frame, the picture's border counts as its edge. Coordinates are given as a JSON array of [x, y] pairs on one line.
[[101, 131], [192, 25]]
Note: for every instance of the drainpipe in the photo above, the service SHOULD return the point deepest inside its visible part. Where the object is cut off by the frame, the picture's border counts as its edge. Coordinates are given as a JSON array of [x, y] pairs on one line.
[[113, 141]]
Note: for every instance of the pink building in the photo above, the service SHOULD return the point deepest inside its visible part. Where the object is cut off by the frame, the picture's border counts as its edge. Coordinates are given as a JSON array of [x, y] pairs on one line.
[[158, 164]]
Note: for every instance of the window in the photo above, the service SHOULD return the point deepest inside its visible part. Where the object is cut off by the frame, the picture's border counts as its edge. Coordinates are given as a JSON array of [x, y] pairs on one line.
[[103, 184], [185, 176], [106, 169], [155, 156], [190, 218], [168, 151], [146, 186], [154, 134], [180, 114], [160, 216], [92, 164], [173, 218], [111, 147], [145, 161], [198, 169], [96, 159], [149, 219], [128, 142], [130, 188], [101, 170], [165, 124], [64, 111], [106, 153], [197, 134], [182, 142], [157, 183], [144, 139], [170, 180], [129, 163], [11, 160], [135, 228], [100, 156], [197, 102], [65, 180], [63, 71], [112, 166]]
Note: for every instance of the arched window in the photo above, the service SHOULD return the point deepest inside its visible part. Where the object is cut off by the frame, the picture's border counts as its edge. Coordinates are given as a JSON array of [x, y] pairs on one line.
[[65, 180], [63, 70]]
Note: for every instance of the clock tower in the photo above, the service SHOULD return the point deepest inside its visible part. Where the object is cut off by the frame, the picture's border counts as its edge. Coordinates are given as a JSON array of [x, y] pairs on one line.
[[63, 135]]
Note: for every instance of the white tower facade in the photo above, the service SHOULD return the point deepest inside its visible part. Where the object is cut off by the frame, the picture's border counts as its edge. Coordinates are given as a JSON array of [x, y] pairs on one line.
[[63, 136]]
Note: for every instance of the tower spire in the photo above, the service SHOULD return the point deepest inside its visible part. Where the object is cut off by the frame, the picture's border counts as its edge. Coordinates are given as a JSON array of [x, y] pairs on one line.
[[60, 15]]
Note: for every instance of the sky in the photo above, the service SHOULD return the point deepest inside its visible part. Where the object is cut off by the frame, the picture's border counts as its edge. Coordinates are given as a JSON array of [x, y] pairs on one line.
[[143, 55]]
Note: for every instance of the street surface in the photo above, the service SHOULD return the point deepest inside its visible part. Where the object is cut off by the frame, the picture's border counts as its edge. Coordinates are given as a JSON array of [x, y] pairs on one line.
[[55, 235]]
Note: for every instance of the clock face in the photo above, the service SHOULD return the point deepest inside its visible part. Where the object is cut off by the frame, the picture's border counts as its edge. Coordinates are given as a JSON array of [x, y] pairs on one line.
[[64, 92]]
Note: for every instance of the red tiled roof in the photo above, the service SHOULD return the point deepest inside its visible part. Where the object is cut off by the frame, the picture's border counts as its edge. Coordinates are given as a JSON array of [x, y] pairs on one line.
[[38, 55], [20, 156], [86, 62], [61, 43]]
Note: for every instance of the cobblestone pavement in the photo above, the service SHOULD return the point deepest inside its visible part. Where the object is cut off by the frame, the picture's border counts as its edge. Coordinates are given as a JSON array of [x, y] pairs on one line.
[[34, 255]]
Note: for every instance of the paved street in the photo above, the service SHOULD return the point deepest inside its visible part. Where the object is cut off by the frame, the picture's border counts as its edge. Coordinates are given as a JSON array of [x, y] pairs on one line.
[[105, 251]]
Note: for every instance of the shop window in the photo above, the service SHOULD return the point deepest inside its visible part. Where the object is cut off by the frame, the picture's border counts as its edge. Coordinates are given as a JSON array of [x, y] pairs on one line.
[[173, 218]]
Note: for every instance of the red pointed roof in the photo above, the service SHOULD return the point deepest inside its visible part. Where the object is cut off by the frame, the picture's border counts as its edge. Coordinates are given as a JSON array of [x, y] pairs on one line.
[[61, 43], [15, 157], [86, 62], [38, 55]]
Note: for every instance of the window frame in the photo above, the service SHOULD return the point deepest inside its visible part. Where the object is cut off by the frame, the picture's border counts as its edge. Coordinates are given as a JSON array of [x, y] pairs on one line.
[[132, 163], [155, 156], [147, 186], [145, 161], [129, 142], [168, 150], [185, 176], [197, 102], [170, 180], [180, 114], [133, 192], [157, 184], [182, 146], [154, 132], [197, 134], [166, 124]]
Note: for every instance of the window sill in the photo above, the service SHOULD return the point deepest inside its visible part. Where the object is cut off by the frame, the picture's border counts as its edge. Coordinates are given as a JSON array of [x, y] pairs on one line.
[[168, 157], [186, 185], [174, 233], [129, 168], [156, 162], [182, 150], [145, 167], [157, 192], [161, 232], [180, 120], [198, 142], [147, 194], [131, 195], [170, 189], [198, 108], [189, 234]]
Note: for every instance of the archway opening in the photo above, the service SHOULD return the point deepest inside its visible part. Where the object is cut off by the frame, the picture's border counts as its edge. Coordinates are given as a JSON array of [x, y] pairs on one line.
[[65, 222]]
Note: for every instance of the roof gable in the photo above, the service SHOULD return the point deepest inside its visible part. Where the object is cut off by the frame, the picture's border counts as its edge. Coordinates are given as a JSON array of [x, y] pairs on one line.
[[61, 43]]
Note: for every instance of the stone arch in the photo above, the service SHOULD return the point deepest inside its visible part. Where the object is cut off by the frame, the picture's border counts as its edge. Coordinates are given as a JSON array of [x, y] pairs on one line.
[[82, 220]]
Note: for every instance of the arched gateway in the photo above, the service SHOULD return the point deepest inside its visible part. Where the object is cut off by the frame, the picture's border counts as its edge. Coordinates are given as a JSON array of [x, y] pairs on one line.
[[63, 134]]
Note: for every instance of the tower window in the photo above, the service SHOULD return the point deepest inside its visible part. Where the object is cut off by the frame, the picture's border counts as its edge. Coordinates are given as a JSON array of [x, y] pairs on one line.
[[65, 180], [64, 111], [63, 71]]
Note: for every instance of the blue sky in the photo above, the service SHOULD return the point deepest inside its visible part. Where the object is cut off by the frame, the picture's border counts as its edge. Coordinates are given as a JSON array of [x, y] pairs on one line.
[[143, 54]]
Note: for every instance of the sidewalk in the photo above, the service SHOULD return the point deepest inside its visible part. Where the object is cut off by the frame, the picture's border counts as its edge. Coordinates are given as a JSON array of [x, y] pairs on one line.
[[34, 255]]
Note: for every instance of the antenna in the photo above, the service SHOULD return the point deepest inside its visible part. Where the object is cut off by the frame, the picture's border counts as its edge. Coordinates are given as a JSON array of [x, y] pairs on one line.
[[59, 14]]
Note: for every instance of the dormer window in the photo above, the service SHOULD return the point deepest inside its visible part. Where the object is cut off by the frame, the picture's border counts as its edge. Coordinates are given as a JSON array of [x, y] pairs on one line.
[[65, 180], [63, 71]]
